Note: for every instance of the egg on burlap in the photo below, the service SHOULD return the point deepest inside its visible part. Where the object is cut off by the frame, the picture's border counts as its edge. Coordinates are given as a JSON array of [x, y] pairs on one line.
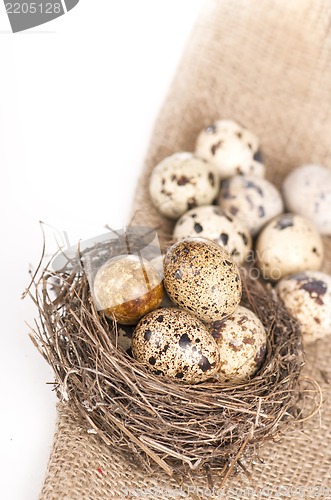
[[182, 181], [242, 341], [288, 244], [127, 287], [200, 277], [307, 296], [231, 147], [211, 222], [307, 192], [251, 200], [175, 343]]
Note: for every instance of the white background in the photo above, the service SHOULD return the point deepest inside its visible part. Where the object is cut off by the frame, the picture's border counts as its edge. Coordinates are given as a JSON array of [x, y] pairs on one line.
[[78, 99]]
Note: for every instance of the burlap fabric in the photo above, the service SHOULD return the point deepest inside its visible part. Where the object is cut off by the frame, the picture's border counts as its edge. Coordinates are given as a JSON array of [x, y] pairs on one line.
[[266, 64]]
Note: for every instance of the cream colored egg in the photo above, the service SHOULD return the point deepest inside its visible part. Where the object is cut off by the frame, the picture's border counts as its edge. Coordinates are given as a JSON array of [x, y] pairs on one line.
[[251, 200], [127, 287], [241, 339], [307, 192], [231, 147], [211, 222], [182, 181], [172, 342], [307, 296], [288, 244], [202, 278]]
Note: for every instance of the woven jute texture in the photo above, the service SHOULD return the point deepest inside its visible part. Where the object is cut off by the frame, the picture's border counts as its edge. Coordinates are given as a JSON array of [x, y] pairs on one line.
[[266, 64]]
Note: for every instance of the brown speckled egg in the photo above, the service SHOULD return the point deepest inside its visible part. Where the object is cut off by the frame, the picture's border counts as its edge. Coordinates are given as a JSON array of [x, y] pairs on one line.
[[211, 222], [126, 288], [251, 200], [241, 339], [307, 296], [202, 278], [182, 181], [288, 244], [232, 148], [172, 342]]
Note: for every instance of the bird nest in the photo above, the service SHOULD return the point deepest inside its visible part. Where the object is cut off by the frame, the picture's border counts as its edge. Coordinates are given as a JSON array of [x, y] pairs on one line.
[[208, 426]]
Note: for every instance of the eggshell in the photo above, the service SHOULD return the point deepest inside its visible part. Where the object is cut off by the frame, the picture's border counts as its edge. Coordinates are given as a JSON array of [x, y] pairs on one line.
[[241, 339], [127, 287], [251, 200], [201, 277], [182, 181], [172, 342], [307, 296], [287, 245], [307, 192], [232, 148], [211, 222]]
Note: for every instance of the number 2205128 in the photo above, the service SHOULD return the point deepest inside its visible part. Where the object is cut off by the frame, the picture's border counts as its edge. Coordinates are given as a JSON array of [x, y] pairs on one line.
[[33, 8]]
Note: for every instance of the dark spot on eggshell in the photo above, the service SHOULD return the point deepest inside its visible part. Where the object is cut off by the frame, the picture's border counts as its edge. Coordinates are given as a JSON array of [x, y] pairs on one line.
[[191, 203], [152, 360], [183, 180], [248, 340], [317, 320], [284, 222], [160, 318], [261, 211], [252, 185], [224, 238], [211, 129], [239, 135], [258, 156], [215, 147], [235, 347], [235, 252], [147, 335], [260, 355], [211, 178], [244, 238], [184, 341], [204, 364], [316, 289], [242, 320], [226, 192], [233, 210], [197, 227], [178, 274], [179, 375]]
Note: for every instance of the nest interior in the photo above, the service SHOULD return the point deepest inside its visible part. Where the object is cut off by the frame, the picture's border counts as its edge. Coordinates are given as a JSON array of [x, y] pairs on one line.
[[207, 426]]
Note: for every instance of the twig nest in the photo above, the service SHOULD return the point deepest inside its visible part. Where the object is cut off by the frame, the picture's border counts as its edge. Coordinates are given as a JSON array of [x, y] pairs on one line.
[[251, 200], [288, 244], [174, 343], [231, 147], [182, 181], [127, 287], [201, 277], [307, 192], [242, 342], [211, 222], [307, 295]]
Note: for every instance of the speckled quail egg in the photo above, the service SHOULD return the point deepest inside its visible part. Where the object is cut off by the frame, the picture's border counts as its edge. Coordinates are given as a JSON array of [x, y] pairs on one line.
[[242, 342], [251, 200], [307, 192], [288, 244], [211, 222], [232, 148], [182, 181], [202, 278], [307, 296], [172, 342], [127, 287]]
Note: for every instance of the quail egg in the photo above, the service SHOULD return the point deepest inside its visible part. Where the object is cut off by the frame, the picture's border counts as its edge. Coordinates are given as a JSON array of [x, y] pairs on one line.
[[182, 181], [288, 244], [172, 342], [127, 287], [307, 192], [211, 222], [202, 278], [251, 200], [307, 296], [232, 148], [242, 342]]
